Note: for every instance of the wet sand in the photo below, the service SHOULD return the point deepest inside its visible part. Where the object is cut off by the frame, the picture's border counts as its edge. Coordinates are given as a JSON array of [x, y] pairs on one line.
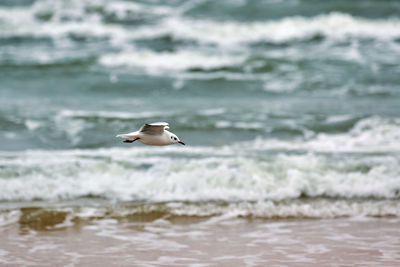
[[193, 241]]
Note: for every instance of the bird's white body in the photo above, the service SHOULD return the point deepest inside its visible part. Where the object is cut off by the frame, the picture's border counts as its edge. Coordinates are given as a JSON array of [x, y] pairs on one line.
[[149, 139], [153, 134]]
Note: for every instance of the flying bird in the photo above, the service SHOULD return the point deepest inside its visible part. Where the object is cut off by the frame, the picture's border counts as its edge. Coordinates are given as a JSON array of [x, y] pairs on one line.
[[153, 134]]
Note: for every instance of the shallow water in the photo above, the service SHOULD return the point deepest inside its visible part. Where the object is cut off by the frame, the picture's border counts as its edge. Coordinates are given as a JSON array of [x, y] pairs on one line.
[[155, 240], [289, 109]]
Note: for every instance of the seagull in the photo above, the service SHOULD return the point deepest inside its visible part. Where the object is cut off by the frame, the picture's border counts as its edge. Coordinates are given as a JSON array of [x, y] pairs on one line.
[[153, 134]]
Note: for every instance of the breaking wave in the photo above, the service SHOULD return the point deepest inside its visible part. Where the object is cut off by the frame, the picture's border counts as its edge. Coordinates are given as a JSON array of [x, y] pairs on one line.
[[373, 134], [57, 19], [335, 26], [166, 62], [324, 166]]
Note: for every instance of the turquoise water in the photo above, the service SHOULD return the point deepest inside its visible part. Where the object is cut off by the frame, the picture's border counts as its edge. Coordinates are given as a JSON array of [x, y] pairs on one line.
[[283, 105]]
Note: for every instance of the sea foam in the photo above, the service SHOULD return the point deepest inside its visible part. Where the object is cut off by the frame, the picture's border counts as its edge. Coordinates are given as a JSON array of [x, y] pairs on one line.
[[171, 61], [373, 134], [336, 26], [57, 19], [241, 172], [324, 175]]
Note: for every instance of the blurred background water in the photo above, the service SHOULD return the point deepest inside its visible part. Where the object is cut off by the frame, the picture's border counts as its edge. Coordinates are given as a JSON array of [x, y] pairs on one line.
[[289, 108]]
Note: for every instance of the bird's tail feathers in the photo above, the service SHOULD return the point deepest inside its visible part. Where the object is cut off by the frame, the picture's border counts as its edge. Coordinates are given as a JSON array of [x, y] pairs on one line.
[[124, 136]]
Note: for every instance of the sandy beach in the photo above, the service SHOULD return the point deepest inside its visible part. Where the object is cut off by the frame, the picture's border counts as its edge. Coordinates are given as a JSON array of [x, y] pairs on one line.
[[40, 237]]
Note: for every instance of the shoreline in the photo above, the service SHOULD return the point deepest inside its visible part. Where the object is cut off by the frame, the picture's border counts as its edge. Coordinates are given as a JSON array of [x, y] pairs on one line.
[[195, 241]]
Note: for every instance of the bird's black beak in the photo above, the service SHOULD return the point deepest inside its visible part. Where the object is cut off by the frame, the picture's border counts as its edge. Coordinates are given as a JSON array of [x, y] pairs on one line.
[[182, 143]]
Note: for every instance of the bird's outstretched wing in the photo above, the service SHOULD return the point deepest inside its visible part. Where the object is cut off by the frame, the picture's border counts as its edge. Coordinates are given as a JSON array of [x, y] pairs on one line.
[[154, 128]]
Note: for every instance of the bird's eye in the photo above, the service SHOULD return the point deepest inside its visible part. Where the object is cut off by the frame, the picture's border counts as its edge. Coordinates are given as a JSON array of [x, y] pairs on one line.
[[171, 137], [175, 138]]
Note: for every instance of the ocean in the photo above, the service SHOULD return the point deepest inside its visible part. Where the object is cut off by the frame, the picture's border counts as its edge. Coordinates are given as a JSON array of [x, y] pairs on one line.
[[290, 111]]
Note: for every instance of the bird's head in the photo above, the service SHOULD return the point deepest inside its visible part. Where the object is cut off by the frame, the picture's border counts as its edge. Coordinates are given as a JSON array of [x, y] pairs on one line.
[[175, 139]]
